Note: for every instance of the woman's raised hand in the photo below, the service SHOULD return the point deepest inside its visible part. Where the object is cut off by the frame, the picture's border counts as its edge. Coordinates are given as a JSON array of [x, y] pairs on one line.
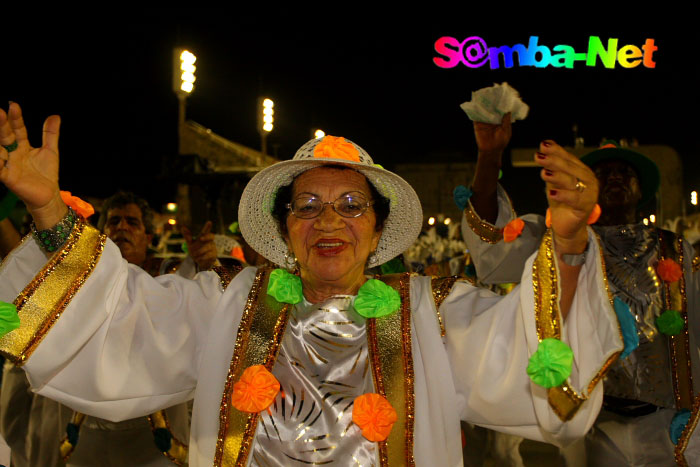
[[31, 173], [572, 192]]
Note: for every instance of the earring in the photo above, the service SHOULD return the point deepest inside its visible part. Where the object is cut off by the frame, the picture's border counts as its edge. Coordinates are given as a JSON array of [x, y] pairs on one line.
[[371, 259], [290, 261]]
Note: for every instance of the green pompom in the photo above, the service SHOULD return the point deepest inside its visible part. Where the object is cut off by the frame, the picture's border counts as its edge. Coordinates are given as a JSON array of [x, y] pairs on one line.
[[670, 323], [9, 319], [184, 248], [376, 299], [551, 364], [285, 287]]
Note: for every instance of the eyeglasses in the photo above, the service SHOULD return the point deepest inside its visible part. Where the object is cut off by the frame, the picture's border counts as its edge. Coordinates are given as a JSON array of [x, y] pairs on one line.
[[348, 205]]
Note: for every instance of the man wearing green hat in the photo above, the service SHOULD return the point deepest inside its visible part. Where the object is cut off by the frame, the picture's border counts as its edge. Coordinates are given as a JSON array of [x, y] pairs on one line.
[[653, 281]]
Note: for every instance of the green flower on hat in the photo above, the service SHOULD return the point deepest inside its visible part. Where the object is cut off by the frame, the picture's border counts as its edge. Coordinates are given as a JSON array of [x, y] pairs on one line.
[[9, 319], [376, 299], [285, 287], [670, 323], [551, 364]]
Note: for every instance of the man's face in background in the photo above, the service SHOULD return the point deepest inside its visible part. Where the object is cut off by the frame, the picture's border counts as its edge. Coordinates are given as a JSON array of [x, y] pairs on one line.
[[126, 229]]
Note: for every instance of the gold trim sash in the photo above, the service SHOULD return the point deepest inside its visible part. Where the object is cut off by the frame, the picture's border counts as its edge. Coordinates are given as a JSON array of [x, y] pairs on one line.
[[390, 351], [41, 303], [487, 232], [690, 427], [178, 450], [563, 399], [441, 287], [258, 341], [679, 345]]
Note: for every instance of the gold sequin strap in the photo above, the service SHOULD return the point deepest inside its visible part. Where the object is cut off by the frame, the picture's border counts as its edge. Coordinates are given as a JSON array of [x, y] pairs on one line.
[[441, 289], [563, 399], [178, 450], [687, 433], [679, 346], [257, 343], [226, 275], [41, 303], [487, 232], [390, 352]]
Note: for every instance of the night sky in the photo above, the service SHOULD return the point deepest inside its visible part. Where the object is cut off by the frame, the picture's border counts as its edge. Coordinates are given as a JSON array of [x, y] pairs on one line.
[[369, 78]]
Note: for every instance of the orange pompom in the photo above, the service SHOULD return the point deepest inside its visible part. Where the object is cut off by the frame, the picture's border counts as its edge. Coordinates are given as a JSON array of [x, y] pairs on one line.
[[83, 208], [374, 415], [595, 214], [548, 218], [513, 229], [256, 390], [669, 270], [237, 252], [336, 148]]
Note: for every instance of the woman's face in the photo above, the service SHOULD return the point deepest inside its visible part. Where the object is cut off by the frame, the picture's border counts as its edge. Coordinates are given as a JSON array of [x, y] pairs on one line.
[[332, 250]]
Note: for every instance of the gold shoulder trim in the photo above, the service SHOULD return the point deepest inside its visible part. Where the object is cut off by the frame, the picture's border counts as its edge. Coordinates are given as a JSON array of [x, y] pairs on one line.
[[41, 303], [441, 287], [563, 399], [487, 232], [226, 275]]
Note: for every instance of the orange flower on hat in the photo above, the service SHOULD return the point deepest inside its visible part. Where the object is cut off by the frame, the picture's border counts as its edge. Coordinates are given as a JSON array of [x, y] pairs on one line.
[[669, 270], [83, 208], [374, 415], [255, 390], [336, 148], [513, 229]]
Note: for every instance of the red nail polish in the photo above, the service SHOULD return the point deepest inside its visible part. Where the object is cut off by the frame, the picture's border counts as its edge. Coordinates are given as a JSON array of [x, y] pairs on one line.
[[546, 143], [540, 155], [552, 192], [548, 172]]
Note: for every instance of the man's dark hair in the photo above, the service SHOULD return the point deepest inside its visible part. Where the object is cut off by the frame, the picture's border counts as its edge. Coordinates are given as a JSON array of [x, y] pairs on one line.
[[120, 200], [280, 212]]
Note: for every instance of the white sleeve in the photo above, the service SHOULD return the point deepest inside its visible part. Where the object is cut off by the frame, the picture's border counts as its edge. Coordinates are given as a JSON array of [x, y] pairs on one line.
[[489, 340], [496, 261], [124, 345]]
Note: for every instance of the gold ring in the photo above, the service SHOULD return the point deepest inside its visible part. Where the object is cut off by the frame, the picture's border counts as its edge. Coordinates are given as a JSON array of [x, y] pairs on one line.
[[580, 186]]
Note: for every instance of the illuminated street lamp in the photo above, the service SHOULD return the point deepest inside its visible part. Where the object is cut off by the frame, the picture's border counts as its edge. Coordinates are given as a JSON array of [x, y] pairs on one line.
[[318, 134], [694, 198], [266, 112], [183, 78]]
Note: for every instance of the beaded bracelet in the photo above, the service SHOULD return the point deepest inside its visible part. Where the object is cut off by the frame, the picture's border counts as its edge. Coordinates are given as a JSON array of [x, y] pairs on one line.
[[52, 239]]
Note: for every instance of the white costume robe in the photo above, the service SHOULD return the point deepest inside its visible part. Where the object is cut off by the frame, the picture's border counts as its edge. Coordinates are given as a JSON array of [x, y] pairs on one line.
[[127, 344], [615, 439]]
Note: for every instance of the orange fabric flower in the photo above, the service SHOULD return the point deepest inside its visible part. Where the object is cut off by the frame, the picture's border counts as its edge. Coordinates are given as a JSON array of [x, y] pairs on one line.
[[256, 390], [336, 148], [669, 270], [83, 208], [595, 214], [513, 229], [374, 415]]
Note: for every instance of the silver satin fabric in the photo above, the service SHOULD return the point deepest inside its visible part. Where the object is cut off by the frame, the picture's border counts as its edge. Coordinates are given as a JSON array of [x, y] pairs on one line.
[[631, 255], [324, 364]]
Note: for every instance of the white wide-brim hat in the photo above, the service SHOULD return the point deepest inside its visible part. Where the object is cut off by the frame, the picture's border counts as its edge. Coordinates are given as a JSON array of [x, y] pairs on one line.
[[261, 230]]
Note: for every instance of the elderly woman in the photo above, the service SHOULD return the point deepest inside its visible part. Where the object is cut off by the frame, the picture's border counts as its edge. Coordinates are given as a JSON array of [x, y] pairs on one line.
[[322, 365]]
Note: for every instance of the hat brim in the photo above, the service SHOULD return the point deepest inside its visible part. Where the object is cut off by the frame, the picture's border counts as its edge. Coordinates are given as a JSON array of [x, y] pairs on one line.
[[649, 176], [260, 229]]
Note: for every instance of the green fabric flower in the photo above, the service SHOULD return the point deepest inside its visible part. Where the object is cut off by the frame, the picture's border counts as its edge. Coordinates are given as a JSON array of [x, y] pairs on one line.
[[551, 364], [285, 287], [376, 299], [9, 319], [670, 322]]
